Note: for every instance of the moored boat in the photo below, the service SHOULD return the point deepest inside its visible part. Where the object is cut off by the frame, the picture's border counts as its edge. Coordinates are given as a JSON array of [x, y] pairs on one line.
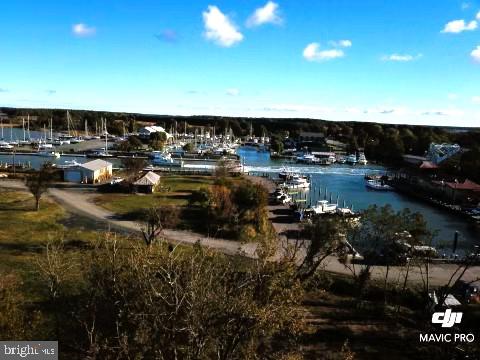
[[378, 185]]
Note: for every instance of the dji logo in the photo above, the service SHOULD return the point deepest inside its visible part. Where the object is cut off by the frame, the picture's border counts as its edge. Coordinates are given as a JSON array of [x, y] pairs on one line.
[[447, 318]]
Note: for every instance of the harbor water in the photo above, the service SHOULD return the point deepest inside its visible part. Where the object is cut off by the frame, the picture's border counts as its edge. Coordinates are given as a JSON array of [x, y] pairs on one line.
[[347, 183]]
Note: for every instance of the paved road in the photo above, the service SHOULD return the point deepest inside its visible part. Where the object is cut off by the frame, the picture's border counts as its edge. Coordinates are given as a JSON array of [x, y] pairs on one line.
[[78, 201]]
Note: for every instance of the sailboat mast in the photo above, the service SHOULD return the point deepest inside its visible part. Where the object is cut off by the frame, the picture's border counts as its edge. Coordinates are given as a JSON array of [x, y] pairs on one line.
[[51, 128], [23, 127], [106, 141], [68, 123], [28, 126], [1, 125]]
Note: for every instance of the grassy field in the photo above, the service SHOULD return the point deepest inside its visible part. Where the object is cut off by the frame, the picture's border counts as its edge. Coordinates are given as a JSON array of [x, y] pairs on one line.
[[175, 191], [24, 233]]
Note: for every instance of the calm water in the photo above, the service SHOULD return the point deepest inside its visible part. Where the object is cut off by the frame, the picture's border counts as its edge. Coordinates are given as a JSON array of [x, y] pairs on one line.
[[11, 134], [348, 184]]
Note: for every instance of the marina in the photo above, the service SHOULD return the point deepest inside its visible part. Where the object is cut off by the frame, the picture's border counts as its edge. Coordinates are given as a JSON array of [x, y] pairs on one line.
[[347, 183]]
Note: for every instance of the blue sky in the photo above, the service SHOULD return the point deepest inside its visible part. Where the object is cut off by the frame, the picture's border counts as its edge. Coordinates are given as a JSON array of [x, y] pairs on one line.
[[390, 61]]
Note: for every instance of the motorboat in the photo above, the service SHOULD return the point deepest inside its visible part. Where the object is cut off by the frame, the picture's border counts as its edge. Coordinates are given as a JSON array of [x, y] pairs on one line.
[[68, 164], [49, 153], [362, 160], [297, 182], [344, 211], [324, 207], [351, 159], [307, 159], [101, 153], [378, 185], [164, 159], [5, 145]]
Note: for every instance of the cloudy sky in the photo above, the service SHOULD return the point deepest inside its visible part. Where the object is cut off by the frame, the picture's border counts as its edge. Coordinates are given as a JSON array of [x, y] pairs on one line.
[[405, 61]]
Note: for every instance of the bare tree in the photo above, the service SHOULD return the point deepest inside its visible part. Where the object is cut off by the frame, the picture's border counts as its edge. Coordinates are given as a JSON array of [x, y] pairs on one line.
[[156, 219], [39, 182], [323, 237]]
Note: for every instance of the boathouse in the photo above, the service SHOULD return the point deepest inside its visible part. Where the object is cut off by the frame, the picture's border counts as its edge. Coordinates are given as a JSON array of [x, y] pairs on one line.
[[91, 172], [147, 183]]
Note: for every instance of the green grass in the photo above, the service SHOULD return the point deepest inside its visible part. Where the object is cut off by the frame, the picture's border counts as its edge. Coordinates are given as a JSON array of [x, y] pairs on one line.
[[24, 233], [175, 191]]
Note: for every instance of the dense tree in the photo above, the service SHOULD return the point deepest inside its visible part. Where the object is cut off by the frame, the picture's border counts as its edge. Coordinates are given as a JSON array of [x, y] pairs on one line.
[[188, 147], [133, 166]]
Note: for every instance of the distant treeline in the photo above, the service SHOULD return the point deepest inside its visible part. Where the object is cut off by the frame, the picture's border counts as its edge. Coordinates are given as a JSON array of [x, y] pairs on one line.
[[381, 142]]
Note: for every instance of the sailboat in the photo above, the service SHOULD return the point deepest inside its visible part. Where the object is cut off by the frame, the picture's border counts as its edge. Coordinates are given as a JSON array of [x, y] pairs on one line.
[[12, 141], [102, 153], [24, 141]]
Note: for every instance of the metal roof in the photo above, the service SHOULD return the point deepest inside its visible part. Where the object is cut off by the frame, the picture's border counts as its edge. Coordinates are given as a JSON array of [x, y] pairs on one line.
[[150, 179], [97, 164]]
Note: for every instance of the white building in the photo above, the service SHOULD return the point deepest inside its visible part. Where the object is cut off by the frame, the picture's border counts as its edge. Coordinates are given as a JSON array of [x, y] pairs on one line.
[[89, 173], [146, 131]]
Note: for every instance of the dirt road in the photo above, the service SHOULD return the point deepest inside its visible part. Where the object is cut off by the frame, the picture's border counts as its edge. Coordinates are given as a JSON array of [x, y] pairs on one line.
[[78, 201]]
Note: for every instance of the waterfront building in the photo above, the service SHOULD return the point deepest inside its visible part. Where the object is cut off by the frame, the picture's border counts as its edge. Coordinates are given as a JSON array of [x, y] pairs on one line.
[[438, 153], [460, 192], [91, 172], [146, 131]]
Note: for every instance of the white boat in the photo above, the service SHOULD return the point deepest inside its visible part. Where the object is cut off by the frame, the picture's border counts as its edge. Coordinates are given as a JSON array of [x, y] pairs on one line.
[[362, 160], [378, 185], [297, 182], [344, 211], [5, 145], [102, 153], [307, 159], [351, 159], [43, 146], [324, 207], [164, 159], [47, 153], [68, 164]]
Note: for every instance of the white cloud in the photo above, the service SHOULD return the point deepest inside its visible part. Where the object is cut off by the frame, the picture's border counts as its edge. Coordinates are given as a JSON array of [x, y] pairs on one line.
[[442, 112], [457, 26], [476, 54], [313, 53], [219, 28], [476, 99], [478, 15], [83, 30], [267, 14], [341, 43], [465, 5], [232, 92], [401, 57], [452, 96], [307, 110], [387, 110]]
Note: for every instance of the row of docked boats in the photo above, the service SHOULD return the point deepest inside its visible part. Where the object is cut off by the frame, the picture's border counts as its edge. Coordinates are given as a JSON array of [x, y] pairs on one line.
[[328, 158]]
